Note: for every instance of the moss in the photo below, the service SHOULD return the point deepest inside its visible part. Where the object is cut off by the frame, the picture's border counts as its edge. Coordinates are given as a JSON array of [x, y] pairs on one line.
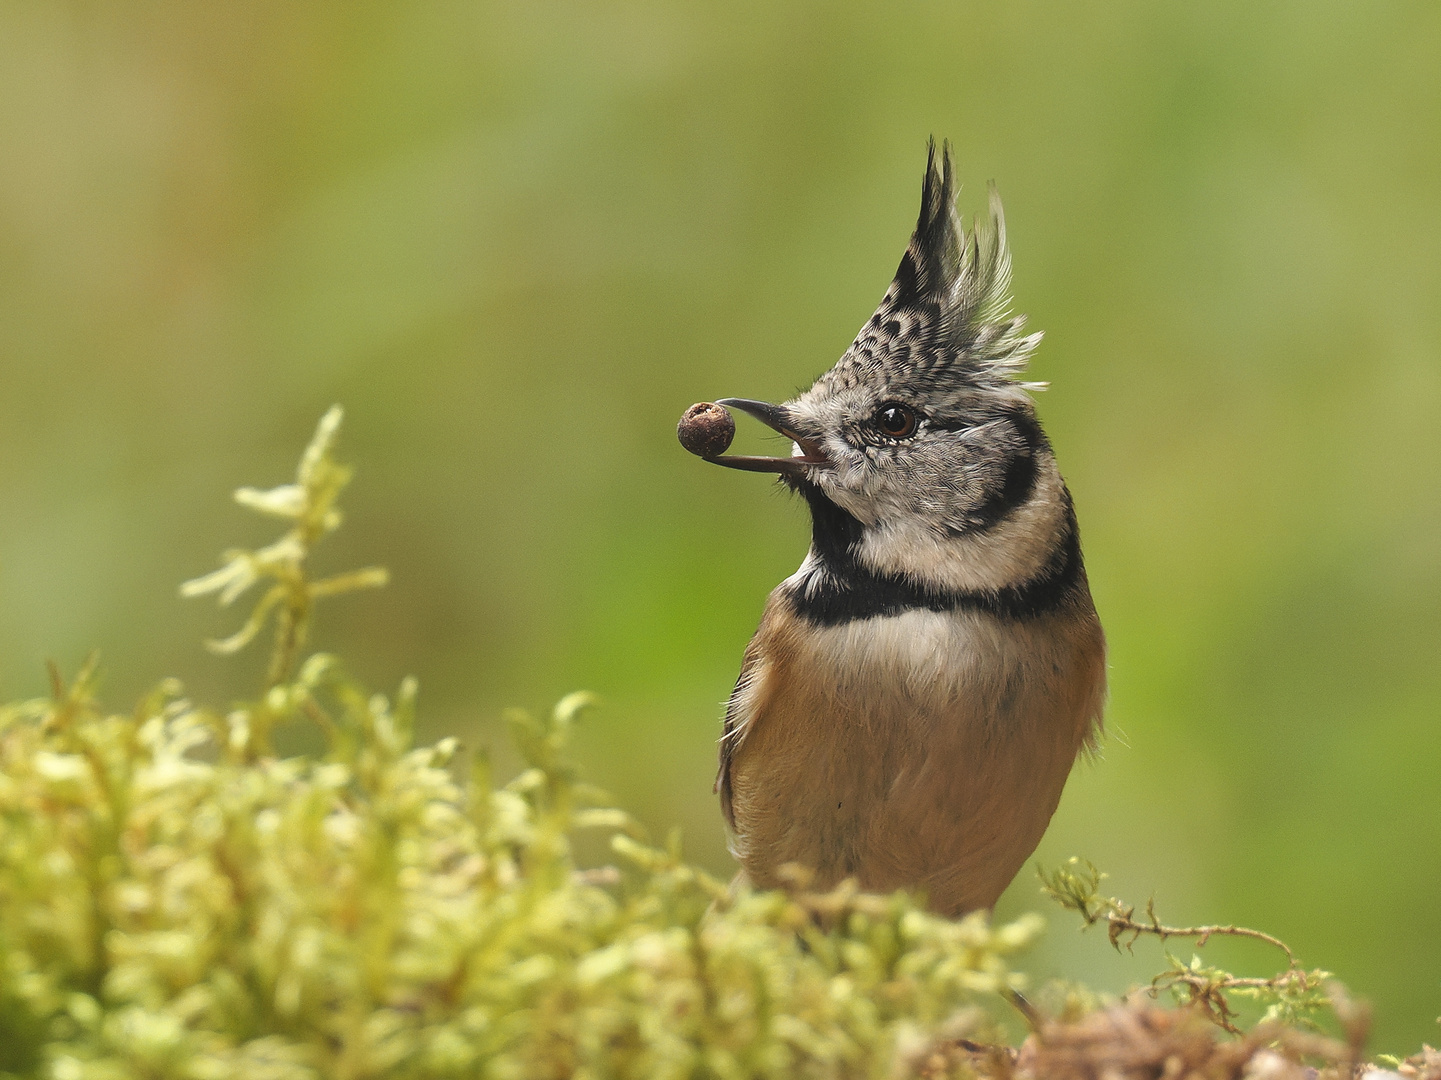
[[173, 905]]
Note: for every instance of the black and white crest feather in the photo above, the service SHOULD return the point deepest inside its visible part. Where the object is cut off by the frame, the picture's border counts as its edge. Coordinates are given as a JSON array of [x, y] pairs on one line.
[[948, 309]]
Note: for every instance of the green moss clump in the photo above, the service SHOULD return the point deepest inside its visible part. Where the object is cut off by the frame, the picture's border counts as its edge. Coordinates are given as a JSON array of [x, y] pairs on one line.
[[173, 905]]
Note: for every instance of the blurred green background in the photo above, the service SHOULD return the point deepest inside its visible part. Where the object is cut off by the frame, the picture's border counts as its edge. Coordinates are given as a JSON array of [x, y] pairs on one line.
[[517, 240]]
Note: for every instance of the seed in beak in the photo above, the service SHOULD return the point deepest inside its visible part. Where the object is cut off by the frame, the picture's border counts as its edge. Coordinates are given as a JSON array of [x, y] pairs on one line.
[[706, 429]]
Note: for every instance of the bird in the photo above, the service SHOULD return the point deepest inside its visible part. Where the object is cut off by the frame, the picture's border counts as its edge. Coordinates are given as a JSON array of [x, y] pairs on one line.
[[917, 692]]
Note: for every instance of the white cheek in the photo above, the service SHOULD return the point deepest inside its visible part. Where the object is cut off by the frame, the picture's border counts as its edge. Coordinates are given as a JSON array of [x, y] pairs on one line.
[[843, 485], [857, 485], [1011, 552]]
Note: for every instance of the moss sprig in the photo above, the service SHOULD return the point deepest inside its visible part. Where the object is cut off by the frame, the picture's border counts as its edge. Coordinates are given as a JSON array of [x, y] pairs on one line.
[[311, 504], [1293, 995]]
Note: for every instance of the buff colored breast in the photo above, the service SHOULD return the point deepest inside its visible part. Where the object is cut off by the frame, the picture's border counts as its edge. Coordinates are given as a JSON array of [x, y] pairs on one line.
[[950, 733]]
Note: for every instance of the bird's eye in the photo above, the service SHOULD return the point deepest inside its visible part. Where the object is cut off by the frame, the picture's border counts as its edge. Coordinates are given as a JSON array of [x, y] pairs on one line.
[[895, 420]]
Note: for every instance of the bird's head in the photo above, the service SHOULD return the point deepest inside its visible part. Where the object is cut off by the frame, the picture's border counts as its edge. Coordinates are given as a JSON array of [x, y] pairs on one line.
[[919, 451]]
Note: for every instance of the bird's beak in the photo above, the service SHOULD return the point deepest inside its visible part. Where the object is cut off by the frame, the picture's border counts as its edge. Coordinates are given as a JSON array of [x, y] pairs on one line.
[[777, 418]]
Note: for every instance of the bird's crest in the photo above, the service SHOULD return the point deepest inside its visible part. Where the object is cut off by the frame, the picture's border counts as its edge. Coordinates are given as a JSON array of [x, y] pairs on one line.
[[952, 289]]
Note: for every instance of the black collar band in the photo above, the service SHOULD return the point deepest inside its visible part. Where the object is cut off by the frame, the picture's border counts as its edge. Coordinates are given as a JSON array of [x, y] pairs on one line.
[[839, 589]]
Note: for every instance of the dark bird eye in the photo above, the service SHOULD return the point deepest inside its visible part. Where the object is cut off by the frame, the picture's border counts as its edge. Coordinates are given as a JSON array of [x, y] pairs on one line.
[[895, 420]]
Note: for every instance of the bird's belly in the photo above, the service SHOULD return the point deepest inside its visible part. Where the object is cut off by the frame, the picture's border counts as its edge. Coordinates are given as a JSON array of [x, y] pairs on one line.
[[926, 750]]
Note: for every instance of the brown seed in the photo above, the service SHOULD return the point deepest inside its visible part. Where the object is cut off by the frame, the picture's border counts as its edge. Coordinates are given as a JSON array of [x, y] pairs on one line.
[[706, 429]]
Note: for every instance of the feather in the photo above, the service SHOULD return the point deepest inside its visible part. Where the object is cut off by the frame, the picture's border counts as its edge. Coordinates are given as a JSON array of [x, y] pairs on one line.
[[952, 288]]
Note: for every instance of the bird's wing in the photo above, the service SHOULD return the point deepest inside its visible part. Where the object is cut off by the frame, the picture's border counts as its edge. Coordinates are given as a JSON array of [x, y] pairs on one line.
[[736, 720]]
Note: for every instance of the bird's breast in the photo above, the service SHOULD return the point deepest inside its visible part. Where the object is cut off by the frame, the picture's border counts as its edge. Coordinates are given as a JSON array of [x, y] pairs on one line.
[[924, 749]]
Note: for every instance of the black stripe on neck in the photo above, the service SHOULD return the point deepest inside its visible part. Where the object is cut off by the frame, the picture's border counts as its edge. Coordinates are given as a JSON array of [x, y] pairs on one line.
[[840, 589], [1018, 478]]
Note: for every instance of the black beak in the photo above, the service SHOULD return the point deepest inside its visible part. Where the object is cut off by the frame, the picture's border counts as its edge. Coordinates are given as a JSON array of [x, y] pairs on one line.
[[775, 418]]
